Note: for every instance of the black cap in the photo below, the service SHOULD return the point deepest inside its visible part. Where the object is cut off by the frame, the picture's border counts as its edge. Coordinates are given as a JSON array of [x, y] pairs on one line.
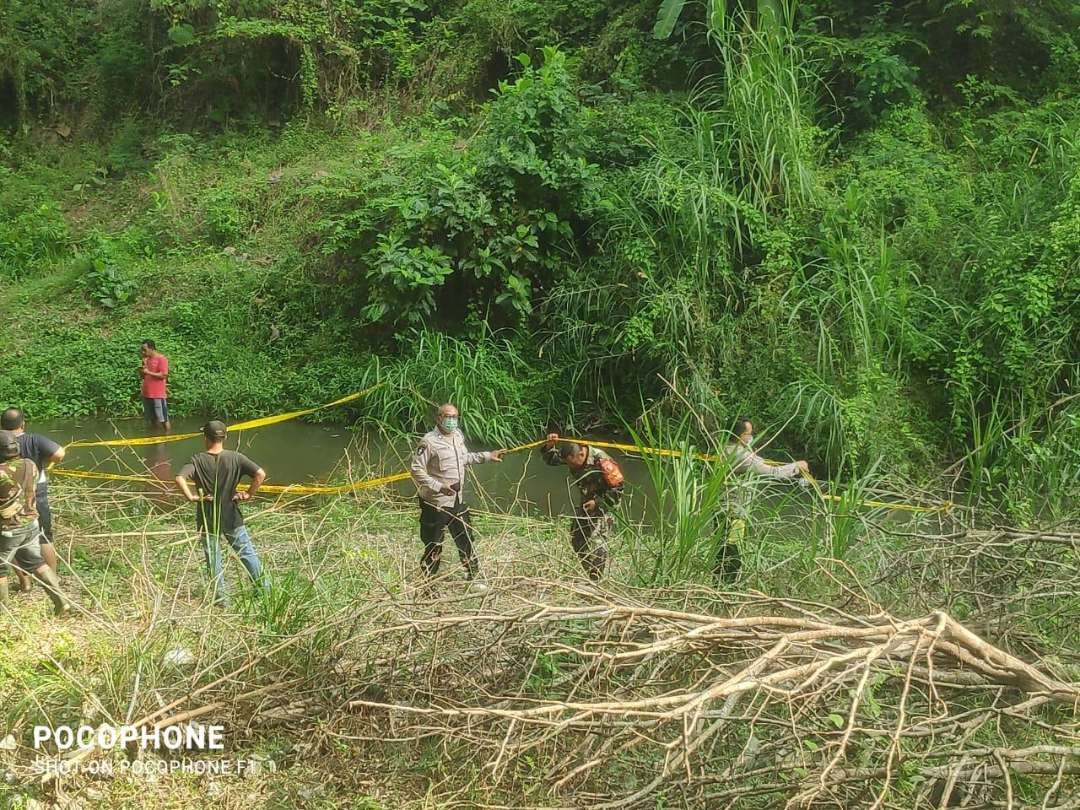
[[214, 429]]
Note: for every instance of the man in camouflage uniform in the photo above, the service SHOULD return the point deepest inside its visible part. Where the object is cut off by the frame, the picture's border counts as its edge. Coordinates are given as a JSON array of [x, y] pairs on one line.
[[19, 530], [600, 481], [43, 451], [438, 470]]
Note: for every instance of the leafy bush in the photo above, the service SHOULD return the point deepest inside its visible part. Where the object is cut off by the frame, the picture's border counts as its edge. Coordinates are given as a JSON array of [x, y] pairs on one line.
[[108, 284], [126, 148], [32, 240], [225, 216], [477, 229]]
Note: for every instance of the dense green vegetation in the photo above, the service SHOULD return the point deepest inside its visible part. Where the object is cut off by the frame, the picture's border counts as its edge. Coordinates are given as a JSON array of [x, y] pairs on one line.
[[860, 225]]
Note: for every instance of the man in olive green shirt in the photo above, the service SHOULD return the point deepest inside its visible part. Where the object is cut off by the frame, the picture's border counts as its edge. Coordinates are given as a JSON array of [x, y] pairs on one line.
[[19, 530]]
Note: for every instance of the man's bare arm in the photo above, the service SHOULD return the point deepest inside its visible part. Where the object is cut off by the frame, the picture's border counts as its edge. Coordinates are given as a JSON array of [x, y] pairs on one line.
[[256, 482], [185, 487]]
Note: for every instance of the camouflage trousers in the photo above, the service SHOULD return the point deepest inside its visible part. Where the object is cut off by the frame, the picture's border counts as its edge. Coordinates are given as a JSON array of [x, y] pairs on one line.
[[588, 534]]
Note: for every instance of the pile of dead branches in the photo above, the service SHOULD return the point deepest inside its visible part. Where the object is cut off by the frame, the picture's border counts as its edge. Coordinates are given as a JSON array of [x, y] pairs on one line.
[[759, 702], [698, 699], [1009, 583]]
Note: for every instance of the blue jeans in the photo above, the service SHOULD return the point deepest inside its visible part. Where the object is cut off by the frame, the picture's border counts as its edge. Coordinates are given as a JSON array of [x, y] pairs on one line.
[[155, 410], [240, 540]]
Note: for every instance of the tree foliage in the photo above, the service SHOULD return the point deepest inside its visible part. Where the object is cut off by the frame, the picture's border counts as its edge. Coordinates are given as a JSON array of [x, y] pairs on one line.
[[858, 222]]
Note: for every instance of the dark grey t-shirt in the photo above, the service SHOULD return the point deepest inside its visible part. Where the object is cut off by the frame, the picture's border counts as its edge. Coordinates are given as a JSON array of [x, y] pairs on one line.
[[218, 474], [39, 449]]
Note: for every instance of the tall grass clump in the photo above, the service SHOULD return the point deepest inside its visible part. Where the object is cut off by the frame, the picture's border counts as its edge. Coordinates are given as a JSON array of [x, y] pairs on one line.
[[840, 522], [500, 394], [680, 232], [768, 90], [662, 292], [679, 541]]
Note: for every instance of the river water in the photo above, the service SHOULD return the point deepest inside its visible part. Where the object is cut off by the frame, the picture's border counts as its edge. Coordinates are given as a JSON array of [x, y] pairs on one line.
[[301, 453]]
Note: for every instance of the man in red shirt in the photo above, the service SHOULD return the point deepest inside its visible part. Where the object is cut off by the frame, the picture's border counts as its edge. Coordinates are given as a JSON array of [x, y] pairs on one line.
[[154, 373]]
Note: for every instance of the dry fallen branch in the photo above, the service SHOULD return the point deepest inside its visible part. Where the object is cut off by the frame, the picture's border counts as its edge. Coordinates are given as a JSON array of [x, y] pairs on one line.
[[690, 697], [850, 711]]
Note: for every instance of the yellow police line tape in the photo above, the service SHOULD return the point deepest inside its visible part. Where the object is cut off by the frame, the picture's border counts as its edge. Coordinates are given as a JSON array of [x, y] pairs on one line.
[[277, 489], [944, 506], [262, 421], [371, 483]]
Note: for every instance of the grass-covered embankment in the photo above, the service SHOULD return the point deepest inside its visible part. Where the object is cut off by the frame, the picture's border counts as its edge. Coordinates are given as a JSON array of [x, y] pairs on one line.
[[251, 318]]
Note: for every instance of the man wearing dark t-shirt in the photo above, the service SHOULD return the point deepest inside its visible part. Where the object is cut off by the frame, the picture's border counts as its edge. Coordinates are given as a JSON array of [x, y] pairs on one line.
[[216, 473], [44, 452]]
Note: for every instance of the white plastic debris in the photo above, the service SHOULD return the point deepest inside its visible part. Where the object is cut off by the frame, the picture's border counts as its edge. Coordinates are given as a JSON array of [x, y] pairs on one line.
[[179, 657]]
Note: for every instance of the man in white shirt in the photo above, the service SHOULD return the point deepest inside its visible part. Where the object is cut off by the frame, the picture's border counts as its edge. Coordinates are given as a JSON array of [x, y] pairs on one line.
[[438, 470], [744, 460]]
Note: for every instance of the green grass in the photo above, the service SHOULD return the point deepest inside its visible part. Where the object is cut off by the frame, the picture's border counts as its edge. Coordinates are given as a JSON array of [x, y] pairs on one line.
[[681, 538]]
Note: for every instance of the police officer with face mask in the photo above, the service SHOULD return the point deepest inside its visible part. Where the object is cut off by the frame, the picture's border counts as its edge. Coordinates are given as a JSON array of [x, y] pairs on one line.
[[438, 470], [743, 460]]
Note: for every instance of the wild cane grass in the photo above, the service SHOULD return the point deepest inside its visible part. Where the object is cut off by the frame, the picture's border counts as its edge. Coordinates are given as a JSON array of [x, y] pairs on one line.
[[768, 103], [690, 500], [493, 386], [754, 147]]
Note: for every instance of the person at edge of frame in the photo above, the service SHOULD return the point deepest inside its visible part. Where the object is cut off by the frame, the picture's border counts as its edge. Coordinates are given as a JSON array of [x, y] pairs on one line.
[[19, 530], [44, 452]]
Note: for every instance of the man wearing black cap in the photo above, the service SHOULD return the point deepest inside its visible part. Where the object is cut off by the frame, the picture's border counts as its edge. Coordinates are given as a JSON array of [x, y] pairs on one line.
[[19, 531], [216, 473]]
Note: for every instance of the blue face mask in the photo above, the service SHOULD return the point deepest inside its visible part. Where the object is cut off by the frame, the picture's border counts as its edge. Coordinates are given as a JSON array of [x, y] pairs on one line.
[[450, 423], [750, 441]]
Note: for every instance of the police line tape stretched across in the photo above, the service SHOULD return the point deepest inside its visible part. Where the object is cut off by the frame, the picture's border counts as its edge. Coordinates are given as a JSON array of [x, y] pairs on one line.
[[251, 424], [371, 483]]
